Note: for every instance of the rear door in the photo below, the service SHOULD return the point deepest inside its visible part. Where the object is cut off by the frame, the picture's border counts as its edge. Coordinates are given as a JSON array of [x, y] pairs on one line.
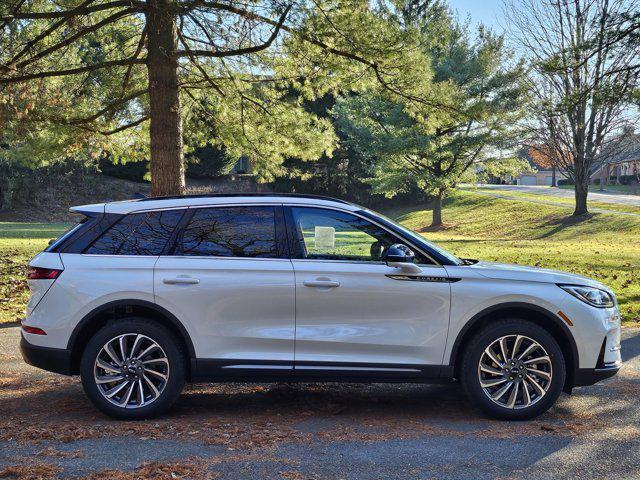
[[230, 281]]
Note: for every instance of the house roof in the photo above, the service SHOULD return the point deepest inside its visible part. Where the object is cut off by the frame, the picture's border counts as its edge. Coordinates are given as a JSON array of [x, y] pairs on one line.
[[627, 155], [623, 148]]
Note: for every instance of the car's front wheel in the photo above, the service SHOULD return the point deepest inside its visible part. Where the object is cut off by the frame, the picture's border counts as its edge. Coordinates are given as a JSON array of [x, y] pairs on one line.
[[133, 368], [513, 369]]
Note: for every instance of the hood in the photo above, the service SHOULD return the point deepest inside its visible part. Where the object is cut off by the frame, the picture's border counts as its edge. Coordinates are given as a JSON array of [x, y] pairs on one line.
[[506, 271]]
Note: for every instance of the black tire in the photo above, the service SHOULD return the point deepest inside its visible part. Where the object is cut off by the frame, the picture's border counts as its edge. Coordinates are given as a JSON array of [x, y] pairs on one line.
[[469, 373], [172, 350]]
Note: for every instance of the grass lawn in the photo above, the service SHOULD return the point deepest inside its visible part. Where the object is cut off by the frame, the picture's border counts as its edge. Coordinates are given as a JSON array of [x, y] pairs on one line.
[[19, 242], [603, 246]]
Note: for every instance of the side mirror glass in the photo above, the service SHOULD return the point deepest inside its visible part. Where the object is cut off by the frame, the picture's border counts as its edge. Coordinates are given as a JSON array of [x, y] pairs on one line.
[[399, 253]]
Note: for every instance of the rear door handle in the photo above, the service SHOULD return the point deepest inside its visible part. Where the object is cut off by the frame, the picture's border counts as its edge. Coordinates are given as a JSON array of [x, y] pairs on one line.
[[181, 281], [321, 283]]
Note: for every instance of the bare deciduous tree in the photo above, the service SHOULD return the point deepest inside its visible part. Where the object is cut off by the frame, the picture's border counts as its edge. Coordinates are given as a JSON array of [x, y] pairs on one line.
[[585, 67]]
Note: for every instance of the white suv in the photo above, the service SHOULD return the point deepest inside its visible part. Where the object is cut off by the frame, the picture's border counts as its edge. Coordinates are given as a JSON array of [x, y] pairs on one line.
[[144, 295]]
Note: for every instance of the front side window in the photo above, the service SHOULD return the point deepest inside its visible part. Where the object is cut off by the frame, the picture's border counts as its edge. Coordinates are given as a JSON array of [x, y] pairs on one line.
[[417, 238], [230, 232], [138, 234], [333, 235]]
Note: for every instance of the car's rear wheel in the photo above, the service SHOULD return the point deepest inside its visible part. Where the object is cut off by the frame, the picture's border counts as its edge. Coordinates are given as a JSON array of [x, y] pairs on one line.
[[133, 368], [513, 369]]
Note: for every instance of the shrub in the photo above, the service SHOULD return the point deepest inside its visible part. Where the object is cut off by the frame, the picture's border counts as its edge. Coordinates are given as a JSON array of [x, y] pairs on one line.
[[134, 171], [628, 179], [565, 181], [209, 162]]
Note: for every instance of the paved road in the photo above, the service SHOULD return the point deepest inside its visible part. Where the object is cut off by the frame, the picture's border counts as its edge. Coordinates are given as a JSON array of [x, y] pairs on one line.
[[604, 197], [333, 431]]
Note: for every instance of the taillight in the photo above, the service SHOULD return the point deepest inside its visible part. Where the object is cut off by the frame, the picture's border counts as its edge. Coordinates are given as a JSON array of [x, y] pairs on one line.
[[33, 330], [38, 273]]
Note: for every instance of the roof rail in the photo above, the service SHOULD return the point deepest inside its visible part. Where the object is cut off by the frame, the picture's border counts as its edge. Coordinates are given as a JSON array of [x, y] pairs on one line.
[[250, 194]]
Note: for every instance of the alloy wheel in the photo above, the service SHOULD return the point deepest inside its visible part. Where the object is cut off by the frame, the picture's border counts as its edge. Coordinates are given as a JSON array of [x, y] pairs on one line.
[[131, 370], [515, 371]]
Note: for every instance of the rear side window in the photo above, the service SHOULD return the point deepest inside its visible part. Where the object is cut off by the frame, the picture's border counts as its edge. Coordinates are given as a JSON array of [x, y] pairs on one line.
[[138, 234], [230, 232]]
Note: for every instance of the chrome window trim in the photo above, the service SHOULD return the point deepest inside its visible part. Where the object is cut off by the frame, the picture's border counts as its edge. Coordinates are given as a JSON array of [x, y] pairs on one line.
[[214, 257], [356, 262]]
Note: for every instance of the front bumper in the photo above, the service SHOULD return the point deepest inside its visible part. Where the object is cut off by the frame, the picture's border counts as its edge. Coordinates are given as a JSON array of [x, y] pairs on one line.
[[589, 376], [55, 360]]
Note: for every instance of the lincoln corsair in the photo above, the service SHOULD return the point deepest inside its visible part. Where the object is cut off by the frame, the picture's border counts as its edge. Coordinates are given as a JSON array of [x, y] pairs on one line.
[[144, 295]]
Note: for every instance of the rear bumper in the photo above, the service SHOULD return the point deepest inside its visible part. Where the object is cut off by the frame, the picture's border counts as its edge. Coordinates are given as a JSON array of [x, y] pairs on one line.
[[589, 376], [55, 360]]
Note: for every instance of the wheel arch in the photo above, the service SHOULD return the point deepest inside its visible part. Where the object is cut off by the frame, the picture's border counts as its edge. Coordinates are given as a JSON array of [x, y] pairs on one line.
[[526, 311], [101, 315]]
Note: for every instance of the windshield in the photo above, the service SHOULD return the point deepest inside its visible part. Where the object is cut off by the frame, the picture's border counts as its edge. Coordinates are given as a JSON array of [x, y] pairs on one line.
[[419, 239]]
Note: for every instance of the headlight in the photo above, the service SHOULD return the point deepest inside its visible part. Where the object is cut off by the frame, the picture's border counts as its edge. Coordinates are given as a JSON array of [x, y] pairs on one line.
[[592, 296]]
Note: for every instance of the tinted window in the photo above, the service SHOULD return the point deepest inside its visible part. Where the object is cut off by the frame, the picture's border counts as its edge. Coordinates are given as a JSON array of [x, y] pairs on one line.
[[230, 232], [54, 244], [138, 234], [333, 235]]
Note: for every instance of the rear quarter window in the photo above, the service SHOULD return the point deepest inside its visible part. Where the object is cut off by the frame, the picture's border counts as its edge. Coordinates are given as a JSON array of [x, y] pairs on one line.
[[144, 233], [55, 244]]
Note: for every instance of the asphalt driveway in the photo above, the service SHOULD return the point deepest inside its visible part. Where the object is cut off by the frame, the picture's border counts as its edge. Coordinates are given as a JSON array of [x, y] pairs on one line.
[[603, 197], [314, 431]]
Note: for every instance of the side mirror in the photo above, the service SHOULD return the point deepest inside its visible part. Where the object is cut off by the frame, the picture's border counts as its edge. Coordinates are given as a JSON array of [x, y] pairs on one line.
[[399, 253], [401, 256]]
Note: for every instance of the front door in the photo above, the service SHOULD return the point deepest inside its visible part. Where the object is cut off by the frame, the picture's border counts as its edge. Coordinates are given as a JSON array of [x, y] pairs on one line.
[[232, 285], [356, 315]]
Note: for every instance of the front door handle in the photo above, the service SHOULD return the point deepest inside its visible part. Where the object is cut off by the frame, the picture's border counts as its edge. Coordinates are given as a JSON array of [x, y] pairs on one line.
[[180, 281], [321, 283]]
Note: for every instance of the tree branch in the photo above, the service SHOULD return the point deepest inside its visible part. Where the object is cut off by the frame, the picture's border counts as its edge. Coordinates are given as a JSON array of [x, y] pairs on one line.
[[136, 54], [314, 41], [72, 38], [109, 108], [42, 36], [80, 10], [241, 51], [72, 71], [15, 10], [122, 128]]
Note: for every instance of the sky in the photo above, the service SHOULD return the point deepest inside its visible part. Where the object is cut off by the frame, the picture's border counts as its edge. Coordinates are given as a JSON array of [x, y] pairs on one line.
[[487, 12]]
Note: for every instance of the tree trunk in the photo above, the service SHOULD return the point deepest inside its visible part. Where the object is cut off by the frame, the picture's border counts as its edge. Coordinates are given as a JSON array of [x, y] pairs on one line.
[[437, 209], [581, 192], [167, 158], [553, 176]]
